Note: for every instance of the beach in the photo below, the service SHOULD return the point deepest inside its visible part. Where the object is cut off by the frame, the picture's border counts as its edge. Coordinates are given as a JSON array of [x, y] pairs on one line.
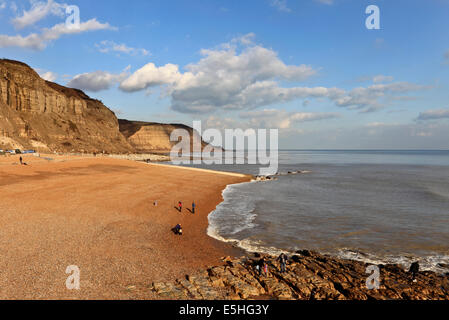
[[98, 214]]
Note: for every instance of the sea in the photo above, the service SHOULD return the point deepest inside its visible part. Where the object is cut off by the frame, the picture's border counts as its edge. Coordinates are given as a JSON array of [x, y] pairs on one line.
[[376, 206]]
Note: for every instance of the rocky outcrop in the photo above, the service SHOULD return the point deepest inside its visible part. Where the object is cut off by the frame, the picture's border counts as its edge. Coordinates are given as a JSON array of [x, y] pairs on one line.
[[309, 276], [41, 115], [153, 137]]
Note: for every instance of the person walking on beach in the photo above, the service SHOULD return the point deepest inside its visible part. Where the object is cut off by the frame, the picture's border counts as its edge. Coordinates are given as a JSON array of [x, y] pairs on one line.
[[193, 207], [180, 206], [21, 161], [282, 261]]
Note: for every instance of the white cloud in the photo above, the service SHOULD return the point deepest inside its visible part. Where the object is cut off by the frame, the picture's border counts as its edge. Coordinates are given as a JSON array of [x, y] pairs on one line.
[[150, 76], [382, 78], [40, 41], [370, 98], [274, 118], [222, 123], [376, 79], [49, 76], [2, 5], [269, 118], [225, 78], [328, 2], [38, 11], [241, 75], [434, 114], [281, 5], [96, 81], [107, 46]]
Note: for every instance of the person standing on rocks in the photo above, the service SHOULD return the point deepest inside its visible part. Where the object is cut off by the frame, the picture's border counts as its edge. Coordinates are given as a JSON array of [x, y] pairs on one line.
[[282, 261], [260, 265], [414, 270], [257, 267]]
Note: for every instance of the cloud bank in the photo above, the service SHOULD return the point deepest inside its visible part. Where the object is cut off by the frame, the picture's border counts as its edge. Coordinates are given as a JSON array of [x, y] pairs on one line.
[[107, 46], [38, 11], [242, 75], [434, 114], [96, 81], [40, 40]]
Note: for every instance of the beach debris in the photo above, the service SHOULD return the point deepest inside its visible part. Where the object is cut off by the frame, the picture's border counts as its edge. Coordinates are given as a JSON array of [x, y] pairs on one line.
[[265, 178], [274, 177]]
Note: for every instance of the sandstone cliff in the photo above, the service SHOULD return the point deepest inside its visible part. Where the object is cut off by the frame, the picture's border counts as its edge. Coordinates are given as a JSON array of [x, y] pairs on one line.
[[41, 115], [47, 117], [152, 137]]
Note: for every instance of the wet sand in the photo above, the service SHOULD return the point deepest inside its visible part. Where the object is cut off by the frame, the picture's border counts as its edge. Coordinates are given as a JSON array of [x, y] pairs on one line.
[[98, 214]]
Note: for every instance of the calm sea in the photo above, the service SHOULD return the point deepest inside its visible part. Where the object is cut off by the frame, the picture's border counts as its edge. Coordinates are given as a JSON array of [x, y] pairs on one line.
[[375, 206]]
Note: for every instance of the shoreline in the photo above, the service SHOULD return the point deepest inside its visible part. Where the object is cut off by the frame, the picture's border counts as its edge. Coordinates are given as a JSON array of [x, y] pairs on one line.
[[435, 261], [125, 249], [98, 214]]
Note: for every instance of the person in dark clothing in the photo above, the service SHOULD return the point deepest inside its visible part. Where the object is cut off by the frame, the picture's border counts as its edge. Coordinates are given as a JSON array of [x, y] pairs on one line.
[[414, 269], [282, 261], [178, 230], [21, 160], [193, 207]]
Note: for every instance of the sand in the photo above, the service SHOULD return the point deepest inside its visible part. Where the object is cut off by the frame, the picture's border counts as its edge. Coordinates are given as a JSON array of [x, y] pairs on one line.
[[98, 214]]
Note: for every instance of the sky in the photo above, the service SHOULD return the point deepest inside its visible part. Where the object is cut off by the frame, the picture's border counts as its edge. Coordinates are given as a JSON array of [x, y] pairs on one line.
[[310, 68]]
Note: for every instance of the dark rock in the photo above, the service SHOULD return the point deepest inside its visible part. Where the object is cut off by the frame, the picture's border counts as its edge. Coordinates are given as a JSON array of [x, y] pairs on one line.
[[305, 253], [310, 276]]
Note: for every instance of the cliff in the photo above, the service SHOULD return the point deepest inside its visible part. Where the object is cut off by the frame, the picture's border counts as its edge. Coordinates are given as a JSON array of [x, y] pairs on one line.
[[41, 115], [152, 137], [47, 117]]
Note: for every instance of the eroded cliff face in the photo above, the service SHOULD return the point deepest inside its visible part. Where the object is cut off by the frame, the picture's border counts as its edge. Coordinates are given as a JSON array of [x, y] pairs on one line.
[[41, 115], [153, 137]]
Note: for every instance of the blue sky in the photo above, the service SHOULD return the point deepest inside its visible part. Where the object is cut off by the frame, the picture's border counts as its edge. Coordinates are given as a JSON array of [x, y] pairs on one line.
[[310, 68]]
